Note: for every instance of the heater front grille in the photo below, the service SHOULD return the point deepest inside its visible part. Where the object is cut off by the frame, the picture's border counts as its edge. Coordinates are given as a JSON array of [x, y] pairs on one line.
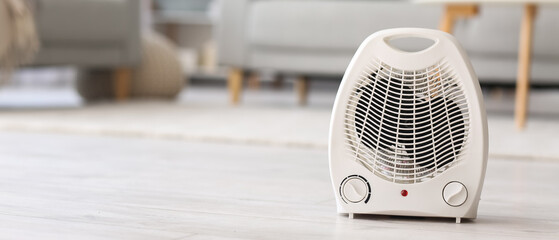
[[407, 126]]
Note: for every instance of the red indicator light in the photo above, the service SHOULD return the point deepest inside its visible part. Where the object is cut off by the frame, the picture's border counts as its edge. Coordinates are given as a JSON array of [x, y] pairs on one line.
[[404, 193]]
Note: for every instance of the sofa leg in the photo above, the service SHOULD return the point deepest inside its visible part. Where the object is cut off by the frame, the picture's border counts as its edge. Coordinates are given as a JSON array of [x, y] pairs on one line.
[[254, 80], [235, 84], [122, 77], [302, 88], [278, 81]]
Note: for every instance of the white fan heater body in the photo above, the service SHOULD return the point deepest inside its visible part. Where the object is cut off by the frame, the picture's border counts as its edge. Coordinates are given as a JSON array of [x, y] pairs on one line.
[[408, 134]]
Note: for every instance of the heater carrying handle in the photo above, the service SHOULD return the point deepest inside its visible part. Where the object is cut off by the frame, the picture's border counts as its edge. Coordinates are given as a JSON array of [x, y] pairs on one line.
[[419, 33]]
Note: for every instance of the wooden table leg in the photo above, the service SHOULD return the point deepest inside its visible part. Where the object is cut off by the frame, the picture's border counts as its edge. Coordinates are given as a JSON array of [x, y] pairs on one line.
[[122, 77], [455, 11], [235, 84], [524, 65]]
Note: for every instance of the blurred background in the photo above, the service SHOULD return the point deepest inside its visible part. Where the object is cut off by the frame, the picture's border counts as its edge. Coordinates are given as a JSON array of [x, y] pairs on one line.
[[239, 71]]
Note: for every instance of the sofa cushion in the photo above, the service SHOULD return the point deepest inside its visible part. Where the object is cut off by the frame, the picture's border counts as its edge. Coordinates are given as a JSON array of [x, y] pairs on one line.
[[332, 25]]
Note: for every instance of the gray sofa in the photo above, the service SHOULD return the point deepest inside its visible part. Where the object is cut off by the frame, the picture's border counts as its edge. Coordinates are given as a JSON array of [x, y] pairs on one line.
[[319, 37], [90, 34]]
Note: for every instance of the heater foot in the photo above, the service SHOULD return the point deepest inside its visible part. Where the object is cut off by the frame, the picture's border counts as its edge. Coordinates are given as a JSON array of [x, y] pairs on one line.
[[351, 216], [458, 220]]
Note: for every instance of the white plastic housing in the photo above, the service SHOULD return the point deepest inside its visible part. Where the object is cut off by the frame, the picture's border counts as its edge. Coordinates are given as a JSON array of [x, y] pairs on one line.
[[360, 161]]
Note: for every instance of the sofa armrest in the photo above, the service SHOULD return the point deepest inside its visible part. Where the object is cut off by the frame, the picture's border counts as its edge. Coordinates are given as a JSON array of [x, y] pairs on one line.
[[231, 32], [89, 32], [133, 37]]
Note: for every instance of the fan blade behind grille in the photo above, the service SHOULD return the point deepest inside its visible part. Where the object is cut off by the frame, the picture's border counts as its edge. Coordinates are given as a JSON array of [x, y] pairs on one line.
[[411, 126]]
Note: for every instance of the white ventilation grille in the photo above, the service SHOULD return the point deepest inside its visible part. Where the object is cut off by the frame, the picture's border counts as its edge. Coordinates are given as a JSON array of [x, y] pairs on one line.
[[407, 126]]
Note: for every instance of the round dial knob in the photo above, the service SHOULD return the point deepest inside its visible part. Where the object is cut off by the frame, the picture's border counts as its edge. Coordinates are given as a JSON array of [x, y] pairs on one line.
[[355, 190], [455, 194]]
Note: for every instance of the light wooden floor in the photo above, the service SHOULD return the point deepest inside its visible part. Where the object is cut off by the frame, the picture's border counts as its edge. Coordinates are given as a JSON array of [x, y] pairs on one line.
[[77, 187]]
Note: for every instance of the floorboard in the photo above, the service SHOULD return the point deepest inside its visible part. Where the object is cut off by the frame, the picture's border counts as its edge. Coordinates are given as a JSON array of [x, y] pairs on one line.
[[84, 187]]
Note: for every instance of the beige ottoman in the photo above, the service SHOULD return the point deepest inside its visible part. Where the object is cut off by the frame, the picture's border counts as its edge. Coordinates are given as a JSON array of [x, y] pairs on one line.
[[159, 75]]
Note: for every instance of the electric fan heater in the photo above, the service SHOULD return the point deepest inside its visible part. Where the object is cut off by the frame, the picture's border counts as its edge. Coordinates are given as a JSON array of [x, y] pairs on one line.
[[408, 134]]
